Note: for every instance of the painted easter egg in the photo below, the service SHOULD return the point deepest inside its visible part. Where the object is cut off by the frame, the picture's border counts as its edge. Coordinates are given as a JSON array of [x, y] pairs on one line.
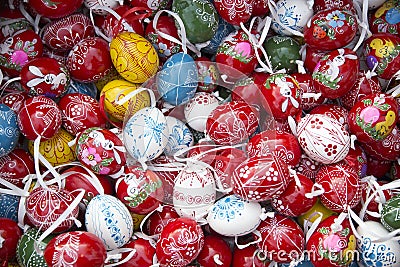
[[100, 150], [134, 57], [9, 133], [39, 116], [56, 149], [233, 216], [177, 81], [198, 109], [65, 33], [108, 218], [235, 11], [146, 134], [179, 137], [52, 10], [373, 117], [45, 205]]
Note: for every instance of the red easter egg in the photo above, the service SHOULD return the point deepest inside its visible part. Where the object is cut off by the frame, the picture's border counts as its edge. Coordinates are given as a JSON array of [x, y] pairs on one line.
[[100, 150], [45, 206], [14, 100], [159, 219], [180, 242], [308, 166], [282, 239], [45, 76], [333, 111], [385, 18], [312, 57], [154, 5], [261, 178], [15, 166], [386, 149], [320, 5], [225, 163], [15, 21], [164, 47], [232, 123], [141, 191], [39, 116], [249, 256], [293, 201], [143, 255], [378, 197], [53, 9], [260, 8], [75, 249], [283, 95], [357, 159], [336, 73], [373, 117], [306, 87], [378, 168], [363, 87], [332, 245], [10, 233], [341, 185], [381, 51], [215, 252], [77, 177], [112, 26], [18, 49], [80, 112], [281, 144], [167, 175], [89, 60], [330, 29], [237, 52], [234, 12], [63, 34]]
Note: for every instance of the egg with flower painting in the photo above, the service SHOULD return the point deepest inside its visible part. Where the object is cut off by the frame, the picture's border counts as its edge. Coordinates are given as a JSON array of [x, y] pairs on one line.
[[100, 150], [332, 243]]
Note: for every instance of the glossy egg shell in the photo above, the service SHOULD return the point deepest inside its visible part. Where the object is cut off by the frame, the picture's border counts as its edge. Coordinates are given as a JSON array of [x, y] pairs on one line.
[[89, 60], [65, 33], [109, 219], [39, 116], [54, 10]]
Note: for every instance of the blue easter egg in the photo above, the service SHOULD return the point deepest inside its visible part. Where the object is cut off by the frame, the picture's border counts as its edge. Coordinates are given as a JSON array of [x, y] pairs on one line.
[[9, 206], [9, 131], [84, 88], [177, 81], [223, 30]]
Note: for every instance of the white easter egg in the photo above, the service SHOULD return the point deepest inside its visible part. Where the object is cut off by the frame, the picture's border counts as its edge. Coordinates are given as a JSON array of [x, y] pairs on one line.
[[179, 137], [376, 254], [323, 139], [145, 134], [198, 109], [292, 13], [232, 216], [194, 191], [109, 219]]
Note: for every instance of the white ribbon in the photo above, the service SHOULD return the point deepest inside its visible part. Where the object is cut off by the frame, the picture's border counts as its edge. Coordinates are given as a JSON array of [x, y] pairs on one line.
[[116, 254], [135, 92], [363, 24], [66, 215], [184, 43], [316, 190], [258, 240], [33, 22]]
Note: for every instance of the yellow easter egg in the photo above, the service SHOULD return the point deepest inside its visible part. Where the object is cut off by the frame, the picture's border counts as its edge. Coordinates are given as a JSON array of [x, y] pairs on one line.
[[116, 90], [306, 219], [137, 220], [134, 57], [56, 149]]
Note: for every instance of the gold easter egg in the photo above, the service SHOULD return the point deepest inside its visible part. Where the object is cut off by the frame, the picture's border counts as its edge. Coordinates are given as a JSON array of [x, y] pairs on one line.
[[56, 149], [137, 220], [116, 90], [133, 57]]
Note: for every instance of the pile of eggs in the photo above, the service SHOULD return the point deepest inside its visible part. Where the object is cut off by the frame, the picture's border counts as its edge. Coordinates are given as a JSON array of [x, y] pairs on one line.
[[199, 133]]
